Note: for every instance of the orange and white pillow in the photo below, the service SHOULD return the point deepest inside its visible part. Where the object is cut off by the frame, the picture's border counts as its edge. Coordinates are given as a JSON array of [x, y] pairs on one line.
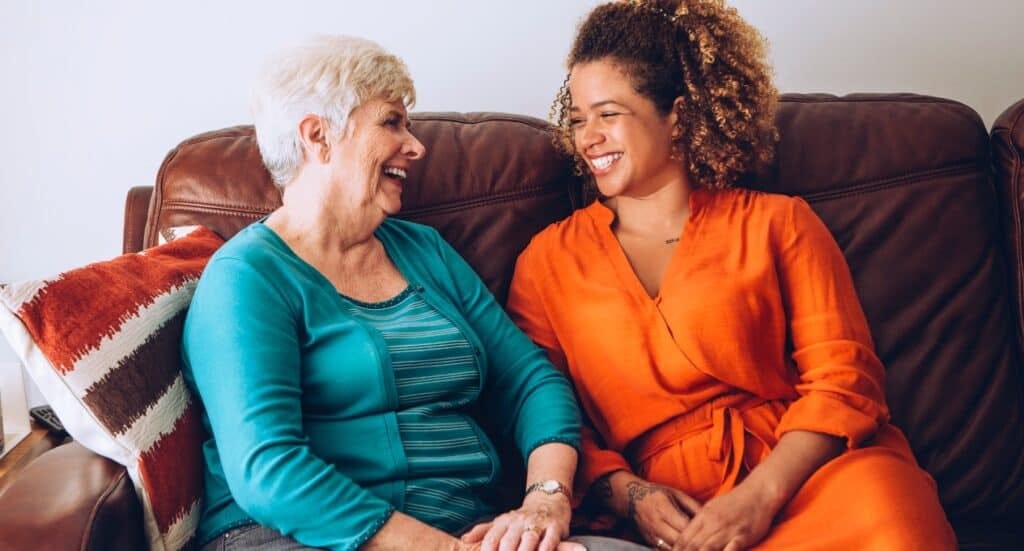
[[102, 344]]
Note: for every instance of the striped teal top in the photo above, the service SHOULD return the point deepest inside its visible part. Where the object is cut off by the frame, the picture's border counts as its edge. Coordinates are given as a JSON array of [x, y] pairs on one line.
[[435, 372]]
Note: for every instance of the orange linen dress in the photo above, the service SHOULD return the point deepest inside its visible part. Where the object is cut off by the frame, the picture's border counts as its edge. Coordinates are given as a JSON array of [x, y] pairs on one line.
[[756, 331]]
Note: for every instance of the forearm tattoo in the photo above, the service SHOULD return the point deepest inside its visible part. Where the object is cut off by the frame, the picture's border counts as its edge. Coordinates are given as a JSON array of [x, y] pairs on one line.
[[636, 492]]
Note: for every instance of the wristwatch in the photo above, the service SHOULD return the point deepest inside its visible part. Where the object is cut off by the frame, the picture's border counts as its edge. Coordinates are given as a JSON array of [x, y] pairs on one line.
[[550, 487]]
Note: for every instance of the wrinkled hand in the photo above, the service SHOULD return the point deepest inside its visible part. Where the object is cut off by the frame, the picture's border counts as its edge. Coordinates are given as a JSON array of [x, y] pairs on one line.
[[562, 546], [730, 522], [660, 513], [540, 523]]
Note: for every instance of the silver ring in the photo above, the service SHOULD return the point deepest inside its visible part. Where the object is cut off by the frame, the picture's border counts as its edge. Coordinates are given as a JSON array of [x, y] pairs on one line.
[[661, 544]]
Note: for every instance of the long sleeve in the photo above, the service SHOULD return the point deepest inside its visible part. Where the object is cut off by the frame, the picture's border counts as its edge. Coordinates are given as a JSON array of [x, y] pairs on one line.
[[841, 382], [531, 400], [526, 306], [241, 348]]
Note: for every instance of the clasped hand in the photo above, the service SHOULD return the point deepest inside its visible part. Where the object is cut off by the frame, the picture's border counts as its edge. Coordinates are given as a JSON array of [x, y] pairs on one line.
[[539, 524], [670, 519]]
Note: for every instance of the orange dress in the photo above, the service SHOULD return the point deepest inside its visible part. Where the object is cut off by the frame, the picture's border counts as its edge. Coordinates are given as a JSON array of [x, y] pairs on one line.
[[756, 331]]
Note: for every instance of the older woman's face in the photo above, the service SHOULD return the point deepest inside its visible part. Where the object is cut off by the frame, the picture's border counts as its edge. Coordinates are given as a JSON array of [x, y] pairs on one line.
[[375, 153]]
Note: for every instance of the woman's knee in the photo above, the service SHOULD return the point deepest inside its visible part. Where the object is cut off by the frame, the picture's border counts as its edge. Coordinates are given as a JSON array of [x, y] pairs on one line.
[[598, 543]]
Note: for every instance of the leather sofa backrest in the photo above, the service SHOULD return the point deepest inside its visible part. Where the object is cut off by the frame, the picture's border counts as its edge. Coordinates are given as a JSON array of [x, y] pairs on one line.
[[488, 182], [1008, 168], [904, 183]]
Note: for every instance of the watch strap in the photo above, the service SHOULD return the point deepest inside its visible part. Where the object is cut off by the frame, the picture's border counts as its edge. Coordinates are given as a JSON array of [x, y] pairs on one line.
[[550, 487]]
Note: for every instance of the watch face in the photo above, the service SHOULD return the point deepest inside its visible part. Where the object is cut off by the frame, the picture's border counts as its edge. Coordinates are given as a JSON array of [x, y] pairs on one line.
[[549, 486]]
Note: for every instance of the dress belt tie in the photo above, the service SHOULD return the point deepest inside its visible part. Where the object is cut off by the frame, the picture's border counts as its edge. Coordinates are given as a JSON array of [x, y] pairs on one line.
[[727, 443]]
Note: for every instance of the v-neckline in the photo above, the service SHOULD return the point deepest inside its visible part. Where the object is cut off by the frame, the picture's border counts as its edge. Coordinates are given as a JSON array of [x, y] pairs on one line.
[[604, 217]]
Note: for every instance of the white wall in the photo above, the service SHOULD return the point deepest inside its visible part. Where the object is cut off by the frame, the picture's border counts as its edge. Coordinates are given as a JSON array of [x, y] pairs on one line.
[[95, 93]]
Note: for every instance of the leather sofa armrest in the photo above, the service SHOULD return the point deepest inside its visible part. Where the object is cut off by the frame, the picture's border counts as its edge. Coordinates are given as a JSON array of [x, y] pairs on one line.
[[136, 210], [71, 498]]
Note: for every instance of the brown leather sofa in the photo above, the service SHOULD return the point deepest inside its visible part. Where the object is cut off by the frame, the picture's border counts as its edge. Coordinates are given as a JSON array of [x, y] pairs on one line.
[[926, 205]]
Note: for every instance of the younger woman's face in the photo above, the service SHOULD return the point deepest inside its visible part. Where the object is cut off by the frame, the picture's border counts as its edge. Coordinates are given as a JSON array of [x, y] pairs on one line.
[[625, 141]]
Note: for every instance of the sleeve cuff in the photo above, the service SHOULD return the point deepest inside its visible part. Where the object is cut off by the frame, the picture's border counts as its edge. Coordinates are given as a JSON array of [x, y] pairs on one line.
[[568, 441], [595, 465], [373, 528], [818, 412]]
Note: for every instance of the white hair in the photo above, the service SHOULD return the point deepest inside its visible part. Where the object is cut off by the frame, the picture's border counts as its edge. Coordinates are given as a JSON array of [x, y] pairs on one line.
[[328, 76]]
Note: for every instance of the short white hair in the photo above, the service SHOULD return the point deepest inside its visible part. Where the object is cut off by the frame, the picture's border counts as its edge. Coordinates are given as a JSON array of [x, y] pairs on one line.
[[328, 76]]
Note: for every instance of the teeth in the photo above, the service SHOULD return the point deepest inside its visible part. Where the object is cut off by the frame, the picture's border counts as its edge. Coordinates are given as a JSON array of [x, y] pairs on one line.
[[396, 172], [605, 161]]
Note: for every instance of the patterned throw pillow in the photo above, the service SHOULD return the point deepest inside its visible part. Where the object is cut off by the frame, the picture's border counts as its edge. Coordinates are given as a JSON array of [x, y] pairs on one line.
[[101, 343]]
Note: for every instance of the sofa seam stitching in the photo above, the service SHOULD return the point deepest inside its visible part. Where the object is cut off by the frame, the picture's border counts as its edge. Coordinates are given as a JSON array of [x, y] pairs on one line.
[[225, 207], [844, 99], [872, 186], [487, 200]]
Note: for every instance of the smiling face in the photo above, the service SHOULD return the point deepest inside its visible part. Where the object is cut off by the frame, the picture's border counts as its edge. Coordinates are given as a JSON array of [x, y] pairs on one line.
[[624, 139], [374, 154]]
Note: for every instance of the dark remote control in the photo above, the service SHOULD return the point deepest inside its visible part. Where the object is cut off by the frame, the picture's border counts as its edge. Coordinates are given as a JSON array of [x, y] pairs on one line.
[[45, 416]]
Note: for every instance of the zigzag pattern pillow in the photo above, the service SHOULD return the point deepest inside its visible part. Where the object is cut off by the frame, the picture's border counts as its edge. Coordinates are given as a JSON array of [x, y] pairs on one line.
[[102, 344]]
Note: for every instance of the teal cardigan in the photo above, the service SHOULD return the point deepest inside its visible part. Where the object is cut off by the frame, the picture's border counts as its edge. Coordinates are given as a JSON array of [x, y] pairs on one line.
[[300, 398]]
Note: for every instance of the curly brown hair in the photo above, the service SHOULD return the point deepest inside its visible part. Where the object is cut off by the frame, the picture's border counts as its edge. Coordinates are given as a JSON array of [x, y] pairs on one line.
[[699, 50]]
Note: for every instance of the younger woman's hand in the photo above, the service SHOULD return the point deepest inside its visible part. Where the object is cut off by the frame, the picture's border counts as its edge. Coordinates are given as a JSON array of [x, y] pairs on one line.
[[541, 523], [660, 513], [732, 521]]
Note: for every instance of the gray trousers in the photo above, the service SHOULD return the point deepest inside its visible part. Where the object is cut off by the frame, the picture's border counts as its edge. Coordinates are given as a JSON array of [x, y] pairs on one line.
[[261, 538]]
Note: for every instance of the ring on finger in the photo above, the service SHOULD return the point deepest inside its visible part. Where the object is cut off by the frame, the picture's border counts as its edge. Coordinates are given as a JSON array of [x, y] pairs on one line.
[[535, 529], [662, 544]]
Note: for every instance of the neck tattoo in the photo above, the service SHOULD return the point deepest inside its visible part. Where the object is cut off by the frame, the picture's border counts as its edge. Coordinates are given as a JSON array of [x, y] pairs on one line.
[[671, 241]]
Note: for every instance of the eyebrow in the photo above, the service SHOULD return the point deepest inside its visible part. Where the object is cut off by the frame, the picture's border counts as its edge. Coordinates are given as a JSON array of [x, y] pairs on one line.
[[392, 112], [596, 105]]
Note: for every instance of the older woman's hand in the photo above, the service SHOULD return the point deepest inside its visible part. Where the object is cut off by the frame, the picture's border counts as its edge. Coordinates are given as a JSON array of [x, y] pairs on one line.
[[540, 523]]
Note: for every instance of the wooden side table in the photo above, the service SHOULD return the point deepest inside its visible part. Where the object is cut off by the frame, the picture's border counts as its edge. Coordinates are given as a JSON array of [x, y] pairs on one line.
[[32, 446]]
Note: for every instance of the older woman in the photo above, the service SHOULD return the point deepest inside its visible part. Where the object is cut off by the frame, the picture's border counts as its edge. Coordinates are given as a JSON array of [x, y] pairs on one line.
[[336, 351], [740, 402]]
